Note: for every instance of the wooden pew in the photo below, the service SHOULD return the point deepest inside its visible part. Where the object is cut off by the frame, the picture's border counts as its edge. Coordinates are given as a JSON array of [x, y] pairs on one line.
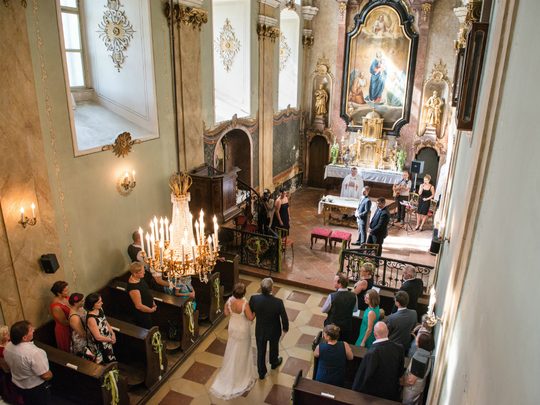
[[172, 312], [209, 296], [137, 351], [309, 392], [77, 379], [229, 271]]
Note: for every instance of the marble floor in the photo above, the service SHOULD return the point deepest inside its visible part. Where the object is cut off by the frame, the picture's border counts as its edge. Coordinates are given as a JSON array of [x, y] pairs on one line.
[[317, 267], [190, 383]]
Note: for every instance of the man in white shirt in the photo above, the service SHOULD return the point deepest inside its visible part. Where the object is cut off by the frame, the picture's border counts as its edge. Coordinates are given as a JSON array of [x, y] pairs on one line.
[[28, 364], [352, 185]]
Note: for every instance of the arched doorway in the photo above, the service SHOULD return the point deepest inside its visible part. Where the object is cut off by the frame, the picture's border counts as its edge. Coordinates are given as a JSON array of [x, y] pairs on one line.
[[431, 163], [318, 157], [234, 150]]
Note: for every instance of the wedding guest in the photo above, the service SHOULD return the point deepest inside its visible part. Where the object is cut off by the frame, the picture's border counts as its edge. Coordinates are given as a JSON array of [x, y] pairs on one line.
[[401, 193], [371, 316], [77, 322], [59, 309], [414, 380], [426, 193], [281, 211], [340, 306], [364, 284], [135, 249], [333, 356], [101, 334], [143, 301], [8, 390]]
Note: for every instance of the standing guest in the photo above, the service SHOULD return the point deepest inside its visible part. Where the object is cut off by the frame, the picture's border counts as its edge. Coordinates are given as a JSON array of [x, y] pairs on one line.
[[135, 249], [282, 215], [381, 368], [414, 380], [8, 390], [378, 227], [340, 306], [401, 323], [352, 185], [28, 364], [60, 312], [401, 193], [422, 327], [271, 321], [412, 286], [371, 316], [77, 322], [237, 375], [362, 216], [143, 302], [333, 356], [101, 335], [265, 212], [426, 193], [364, 284]]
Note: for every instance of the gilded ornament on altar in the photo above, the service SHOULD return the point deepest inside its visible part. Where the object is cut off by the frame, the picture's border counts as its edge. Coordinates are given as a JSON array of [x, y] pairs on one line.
[[116, 32], [284, 51], [180, 183], [227, 45], [122, 144]]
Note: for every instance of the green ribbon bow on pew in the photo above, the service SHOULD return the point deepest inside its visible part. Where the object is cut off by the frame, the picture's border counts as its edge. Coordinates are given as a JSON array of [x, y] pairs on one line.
[[217, 294], [188, 310], [110, 383], [157, 345]]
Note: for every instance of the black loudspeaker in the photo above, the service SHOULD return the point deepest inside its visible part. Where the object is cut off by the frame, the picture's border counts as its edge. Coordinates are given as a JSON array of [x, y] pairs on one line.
[[49, 263], [417, 166]]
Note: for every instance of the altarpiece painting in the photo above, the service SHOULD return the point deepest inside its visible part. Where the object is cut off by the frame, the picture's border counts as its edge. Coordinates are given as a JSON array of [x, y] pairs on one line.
[[380, 57]]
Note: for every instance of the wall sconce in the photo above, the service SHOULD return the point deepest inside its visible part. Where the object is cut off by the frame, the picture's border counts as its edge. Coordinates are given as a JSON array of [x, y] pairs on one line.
[[24, 221], [126, 183], [431, 318]]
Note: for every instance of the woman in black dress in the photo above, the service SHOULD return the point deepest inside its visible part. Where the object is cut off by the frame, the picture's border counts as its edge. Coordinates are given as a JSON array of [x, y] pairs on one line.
[[101, 336], [364, 284], [139, 292], [426, 193], [282, 214]]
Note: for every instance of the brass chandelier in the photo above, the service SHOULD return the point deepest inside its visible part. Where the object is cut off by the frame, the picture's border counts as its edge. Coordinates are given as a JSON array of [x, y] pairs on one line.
[[173, 250]]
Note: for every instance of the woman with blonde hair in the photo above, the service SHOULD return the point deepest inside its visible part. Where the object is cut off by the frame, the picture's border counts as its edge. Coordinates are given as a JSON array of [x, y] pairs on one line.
[[365, 283], [426, 193]]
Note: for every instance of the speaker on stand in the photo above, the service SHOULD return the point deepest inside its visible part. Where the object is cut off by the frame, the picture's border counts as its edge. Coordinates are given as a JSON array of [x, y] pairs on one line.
[[417, 167]]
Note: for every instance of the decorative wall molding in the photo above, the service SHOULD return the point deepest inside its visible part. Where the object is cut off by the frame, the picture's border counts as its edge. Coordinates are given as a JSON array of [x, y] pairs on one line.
[[227, 45], [271, 3], [116, 32], [429, 142], [284, 51], [265, 31], [308, 12], [212, 135], [286, 115], [426, 10], [270, 21], [122, 144], [23, 3], [308, 40], [195, 17], [327, 134]]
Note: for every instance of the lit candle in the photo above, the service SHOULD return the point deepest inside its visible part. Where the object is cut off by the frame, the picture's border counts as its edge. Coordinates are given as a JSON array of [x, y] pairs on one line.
[[133, 175], [183, 255], [209, 240], [148, 244], [193, 251], [161, 251], [166, 222], [126, 177], [197, 230], [170, 235], [161, 233], [142, 239], [152, 244], [33, 211], [215, 244], [201, 224], [215, 231], [432, 300]]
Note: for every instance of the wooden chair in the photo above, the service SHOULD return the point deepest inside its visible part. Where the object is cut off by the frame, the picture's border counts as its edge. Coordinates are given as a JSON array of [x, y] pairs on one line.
[[431, 212]]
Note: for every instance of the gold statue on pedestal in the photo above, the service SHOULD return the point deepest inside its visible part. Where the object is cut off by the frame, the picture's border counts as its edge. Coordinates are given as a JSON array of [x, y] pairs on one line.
[[433, 110]]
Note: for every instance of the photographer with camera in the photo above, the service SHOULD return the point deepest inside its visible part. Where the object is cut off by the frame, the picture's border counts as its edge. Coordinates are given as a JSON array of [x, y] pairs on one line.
[[266, 211]]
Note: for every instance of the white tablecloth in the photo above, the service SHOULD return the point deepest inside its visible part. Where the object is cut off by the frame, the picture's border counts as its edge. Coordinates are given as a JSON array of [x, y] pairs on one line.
[[374, 175], [337, 202]]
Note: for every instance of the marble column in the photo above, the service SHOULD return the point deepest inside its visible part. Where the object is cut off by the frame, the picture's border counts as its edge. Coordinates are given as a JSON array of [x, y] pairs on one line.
[[336, 123], [188, 18], [24, 293], [267, 32]]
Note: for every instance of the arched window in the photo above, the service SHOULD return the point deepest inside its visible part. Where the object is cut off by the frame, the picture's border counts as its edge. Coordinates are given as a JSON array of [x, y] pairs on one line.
[[231, 35], [289, 47]]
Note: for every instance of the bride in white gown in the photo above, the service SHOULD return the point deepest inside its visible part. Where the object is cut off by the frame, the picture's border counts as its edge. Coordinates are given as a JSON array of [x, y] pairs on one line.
[[237, 375]]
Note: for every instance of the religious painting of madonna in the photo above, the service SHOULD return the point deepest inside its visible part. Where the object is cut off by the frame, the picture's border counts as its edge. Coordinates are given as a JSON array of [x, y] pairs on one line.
[[380, 55]]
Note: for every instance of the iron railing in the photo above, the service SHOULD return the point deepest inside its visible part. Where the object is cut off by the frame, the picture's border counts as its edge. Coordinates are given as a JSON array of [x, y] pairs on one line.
[[388, 272], [254, 249]]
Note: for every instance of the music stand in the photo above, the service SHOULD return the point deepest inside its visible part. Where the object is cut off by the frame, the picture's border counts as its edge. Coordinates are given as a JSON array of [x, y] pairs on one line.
[[409, 208]]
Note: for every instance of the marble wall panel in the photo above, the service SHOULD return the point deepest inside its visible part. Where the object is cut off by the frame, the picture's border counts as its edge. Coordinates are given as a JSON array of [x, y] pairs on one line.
[[286, 146]]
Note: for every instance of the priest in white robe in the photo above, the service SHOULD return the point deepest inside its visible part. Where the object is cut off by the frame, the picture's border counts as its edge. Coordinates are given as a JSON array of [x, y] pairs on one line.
[[352, 185]]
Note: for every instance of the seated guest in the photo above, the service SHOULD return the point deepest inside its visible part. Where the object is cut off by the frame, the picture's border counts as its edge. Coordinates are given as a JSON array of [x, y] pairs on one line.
[[59, 309], [333, 356], [181, 287], [8, 391], [143, 302], [371, 316], [28, 364], [340, 306], [401, 323], [135, 249], [412, 286], [101, 337], [352, 185], [77, 322], [414, 379], [366, 283], [381, 368]]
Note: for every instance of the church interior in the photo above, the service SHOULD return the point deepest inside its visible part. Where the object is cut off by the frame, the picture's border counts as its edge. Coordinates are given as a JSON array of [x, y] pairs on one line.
[[228, 141]]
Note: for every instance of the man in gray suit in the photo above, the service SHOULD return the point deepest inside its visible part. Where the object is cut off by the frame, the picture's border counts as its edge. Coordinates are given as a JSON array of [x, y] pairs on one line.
[[401, 323], [362, 216]]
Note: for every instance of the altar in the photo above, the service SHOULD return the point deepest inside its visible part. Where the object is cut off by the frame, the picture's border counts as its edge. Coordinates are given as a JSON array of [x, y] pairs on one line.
[[340, 210], [380, 181]]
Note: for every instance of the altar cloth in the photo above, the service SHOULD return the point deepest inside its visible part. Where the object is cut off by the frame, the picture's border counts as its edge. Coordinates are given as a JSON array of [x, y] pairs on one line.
[[373, 175]]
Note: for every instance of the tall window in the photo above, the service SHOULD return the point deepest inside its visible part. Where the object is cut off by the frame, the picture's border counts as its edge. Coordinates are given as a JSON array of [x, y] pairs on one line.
[[289, 41], [71, 25]]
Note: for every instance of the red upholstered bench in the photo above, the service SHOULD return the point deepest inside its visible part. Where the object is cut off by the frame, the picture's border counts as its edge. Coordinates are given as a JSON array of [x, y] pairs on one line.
[[340, 236], [320, 233]]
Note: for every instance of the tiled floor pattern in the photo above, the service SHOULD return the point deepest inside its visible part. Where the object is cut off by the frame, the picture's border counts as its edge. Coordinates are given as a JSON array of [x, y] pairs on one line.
[[191, 382], [317, 267]]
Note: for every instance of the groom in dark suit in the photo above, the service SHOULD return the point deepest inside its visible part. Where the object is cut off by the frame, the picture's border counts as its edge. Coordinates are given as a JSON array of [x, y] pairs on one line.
[[362, 216], [271, 319], [378, 227]]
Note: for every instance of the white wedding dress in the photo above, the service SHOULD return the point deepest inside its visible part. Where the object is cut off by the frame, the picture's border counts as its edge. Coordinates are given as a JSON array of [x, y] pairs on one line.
[[237, 374]]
